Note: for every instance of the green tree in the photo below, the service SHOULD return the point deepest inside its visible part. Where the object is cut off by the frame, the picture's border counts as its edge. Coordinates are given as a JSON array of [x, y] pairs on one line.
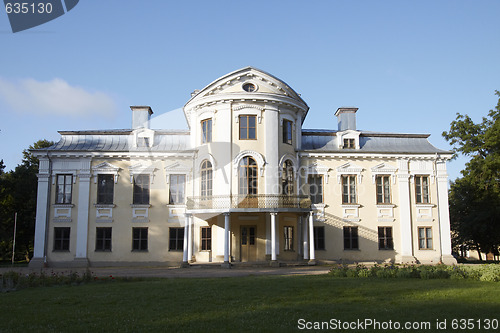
[[475, 197], [18, 189]]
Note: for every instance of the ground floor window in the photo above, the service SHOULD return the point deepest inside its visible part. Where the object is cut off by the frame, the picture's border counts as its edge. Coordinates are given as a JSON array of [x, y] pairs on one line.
[[176, 239], [61, 238], [351, 238], [206, 238], [288, 235], [385, 241], [425, 238], [103, 239], [139, 239], [319, 238]]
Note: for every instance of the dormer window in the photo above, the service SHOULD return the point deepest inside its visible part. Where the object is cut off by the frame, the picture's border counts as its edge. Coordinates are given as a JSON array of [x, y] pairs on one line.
[[349, 144]]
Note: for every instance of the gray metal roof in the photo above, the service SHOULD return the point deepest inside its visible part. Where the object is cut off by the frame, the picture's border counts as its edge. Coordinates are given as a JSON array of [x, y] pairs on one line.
[[370, 142], [120, 141]]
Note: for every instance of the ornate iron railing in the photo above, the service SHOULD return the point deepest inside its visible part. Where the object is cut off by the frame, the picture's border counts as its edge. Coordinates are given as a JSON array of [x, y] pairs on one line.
[[262, 201]]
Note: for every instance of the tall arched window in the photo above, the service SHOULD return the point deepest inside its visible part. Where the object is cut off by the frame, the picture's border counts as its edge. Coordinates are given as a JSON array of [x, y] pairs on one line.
[[247, 176], [287, 178], [206, 178]]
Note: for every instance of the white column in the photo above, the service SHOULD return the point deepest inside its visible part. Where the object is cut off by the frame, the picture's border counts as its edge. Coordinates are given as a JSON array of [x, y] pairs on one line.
[[189, 218], [272, 125], [405, 212], [227, 233], [312, 256], [82, 226], [299, 235], [273, 236], [444, 214], [185, 244], [42, 211], [305, 229]]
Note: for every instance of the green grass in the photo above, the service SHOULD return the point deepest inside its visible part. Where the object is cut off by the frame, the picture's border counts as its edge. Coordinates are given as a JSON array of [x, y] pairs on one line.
[[255, 303]]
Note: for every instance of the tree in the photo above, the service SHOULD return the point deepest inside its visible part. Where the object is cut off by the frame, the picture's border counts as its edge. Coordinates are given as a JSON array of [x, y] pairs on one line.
[[475, 198], [18, 190]]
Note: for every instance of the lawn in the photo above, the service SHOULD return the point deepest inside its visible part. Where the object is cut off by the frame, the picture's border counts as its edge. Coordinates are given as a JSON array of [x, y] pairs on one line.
[[255, 303]]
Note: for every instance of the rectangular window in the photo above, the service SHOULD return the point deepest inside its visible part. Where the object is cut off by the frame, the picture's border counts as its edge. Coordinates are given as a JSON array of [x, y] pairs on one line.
[[61, 238], [385, 238], [176, 190], [351, 238], [139, 239], [349, 144], [64, 189], [103, 239], [141, 190], [288, 236], [315, 188], [425, 238], [287, 132], [105, 188], [176, 239], [349, 189], [206, 131], [383, 189], [422, 189], [248, 130], [206, 238], [319, 238]]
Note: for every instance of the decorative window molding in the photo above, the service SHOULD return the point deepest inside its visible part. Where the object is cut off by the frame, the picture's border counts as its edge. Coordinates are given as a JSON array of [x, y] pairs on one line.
[[207, 113], [255, 155], [316, 169], [56, 172], [105, 168], [384, 169], [349, 169], [139, 169], [258, 112], [178, 169], [350, 212]]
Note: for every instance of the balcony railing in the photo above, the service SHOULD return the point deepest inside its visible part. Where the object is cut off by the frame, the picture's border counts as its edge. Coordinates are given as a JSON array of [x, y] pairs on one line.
[[260, 201]]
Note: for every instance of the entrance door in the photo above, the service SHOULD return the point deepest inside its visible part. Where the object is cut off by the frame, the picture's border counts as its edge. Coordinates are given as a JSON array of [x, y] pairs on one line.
[[248, 243]]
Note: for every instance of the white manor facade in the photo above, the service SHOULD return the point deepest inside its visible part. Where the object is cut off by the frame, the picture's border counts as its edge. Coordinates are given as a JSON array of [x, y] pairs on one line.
[[245, 183]]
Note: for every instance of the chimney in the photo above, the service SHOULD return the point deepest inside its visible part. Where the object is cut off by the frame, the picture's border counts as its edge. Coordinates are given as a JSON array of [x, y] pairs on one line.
[[346, 117], [141, 116]]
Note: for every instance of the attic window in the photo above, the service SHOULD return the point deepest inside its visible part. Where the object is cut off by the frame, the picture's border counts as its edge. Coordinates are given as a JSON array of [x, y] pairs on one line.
[[249, 87], [349, 144]]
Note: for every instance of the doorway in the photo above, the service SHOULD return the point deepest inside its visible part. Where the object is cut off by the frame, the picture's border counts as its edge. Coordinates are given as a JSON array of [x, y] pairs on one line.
[[248, 244]]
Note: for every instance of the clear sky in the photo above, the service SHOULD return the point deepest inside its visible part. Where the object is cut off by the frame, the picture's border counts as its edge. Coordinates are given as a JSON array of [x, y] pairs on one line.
[[409, 66]]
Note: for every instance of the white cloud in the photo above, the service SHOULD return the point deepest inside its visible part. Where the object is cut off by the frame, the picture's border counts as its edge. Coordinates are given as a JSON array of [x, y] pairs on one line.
[[54, 97]]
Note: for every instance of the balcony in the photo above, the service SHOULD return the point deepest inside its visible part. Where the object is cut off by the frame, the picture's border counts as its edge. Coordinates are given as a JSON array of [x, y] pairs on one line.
[[263, 202]]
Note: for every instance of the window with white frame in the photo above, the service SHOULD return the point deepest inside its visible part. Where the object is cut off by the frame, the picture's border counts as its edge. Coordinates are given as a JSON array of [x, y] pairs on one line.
[[177, 189], [206, 178], [383, 184], [349, 189], [315, 188], [141, 190], [105, 189], [206, 131], [64, 188], [422, 189]]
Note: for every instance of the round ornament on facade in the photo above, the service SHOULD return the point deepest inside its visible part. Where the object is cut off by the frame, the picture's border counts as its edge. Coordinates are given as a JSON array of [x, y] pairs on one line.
[[249, 87]]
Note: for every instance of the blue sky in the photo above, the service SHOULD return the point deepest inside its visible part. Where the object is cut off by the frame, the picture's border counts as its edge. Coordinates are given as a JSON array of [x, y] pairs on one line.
[[409, 66]]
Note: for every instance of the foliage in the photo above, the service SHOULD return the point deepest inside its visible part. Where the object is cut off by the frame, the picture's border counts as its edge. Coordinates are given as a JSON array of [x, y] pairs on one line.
[[18, 195], [475, 198], [11, 281], [486, 272]]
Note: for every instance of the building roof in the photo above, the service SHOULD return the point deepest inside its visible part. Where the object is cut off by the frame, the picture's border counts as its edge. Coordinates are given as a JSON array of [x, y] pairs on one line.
[[120, 141], [370, 142]]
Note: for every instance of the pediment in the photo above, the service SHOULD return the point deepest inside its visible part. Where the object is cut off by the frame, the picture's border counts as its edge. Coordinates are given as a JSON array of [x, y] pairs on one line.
[[234, 82], [384, 168], [177, 167], [349, 168], [105, 167]]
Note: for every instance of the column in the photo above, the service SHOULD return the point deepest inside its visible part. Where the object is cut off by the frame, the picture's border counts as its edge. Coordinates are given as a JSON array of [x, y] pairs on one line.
[[312, 256], [405, 213], [185, 243], [42, 207], [444, 214], [82, 226], [305, 229], [189, 218], [273, 236], [227, 233]]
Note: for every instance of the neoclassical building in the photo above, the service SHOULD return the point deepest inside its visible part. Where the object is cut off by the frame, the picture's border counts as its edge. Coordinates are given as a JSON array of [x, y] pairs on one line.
[[245, 183]]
